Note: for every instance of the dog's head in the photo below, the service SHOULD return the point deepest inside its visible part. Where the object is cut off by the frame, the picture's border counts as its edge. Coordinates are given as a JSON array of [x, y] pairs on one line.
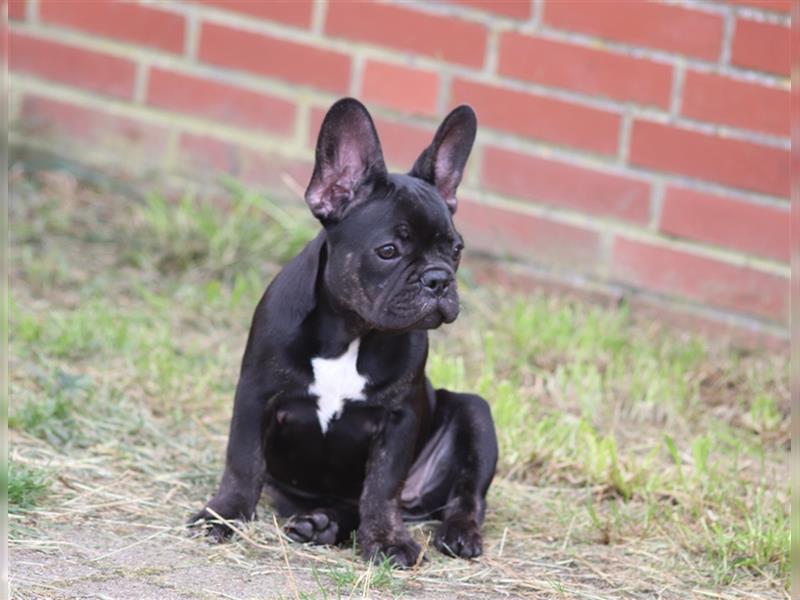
[[392, 249]]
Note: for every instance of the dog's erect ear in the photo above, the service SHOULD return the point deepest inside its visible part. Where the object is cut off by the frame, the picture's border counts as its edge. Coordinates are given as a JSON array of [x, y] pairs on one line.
[[348, 153], [442, 163]]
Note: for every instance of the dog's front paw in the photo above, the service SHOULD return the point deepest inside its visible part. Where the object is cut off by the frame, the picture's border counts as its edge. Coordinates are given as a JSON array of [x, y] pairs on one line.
[[317, 527], [215, 521], [460, 537], [397, 546], [205, 521]]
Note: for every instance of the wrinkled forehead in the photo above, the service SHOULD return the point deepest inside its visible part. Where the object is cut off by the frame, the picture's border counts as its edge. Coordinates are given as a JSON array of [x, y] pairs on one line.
[[399, 204], [419, 204]]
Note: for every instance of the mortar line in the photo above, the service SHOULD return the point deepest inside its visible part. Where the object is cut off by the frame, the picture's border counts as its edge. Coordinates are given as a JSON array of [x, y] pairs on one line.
[[357, 75], [32, 11], [475, 165], [750, 13], [303, 123], [319, 11], [192, 42], [676, 93], [624, 147], [140, 83], [606, 250], [444, 94], [728, 31], [491, 57], [537, 13], [657, 203]]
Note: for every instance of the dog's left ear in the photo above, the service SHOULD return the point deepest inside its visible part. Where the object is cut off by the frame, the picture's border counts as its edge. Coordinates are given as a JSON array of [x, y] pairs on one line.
[[442, 163]]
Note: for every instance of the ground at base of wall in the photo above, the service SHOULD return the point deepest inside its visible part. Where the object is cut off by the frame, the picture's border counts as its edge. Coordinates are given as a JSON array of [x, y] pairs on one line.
[[636, 462], [148, 560]]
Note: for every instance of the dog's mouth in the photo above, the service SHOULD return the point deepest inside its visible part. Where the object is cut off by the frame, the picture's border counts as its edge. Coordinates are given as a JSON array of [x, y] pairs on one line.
[[431, 314], [412, 308], [448, 309], [441, 311]]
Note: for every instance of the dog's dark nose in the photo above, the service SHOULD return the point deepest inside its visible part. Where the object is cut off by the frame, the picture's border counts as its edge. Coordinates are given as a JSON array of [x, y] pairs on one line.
[[436, 280]]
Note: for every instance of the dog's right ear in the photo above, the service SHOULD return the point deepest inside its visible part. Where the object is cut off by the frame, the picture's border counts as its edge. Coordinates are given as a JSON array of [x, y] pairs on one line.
[[348, 154]]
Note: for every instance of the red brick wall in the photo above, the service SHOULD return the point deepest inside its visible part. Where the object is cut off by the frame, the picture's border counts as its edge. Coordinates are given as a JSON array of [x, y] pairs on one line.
[[634, 147]]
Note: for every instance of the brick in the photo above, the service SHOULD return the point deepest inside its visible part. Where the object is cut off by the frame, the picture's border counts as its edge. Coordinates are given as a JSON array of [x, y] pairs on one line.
[[251, 166], [409, 90], [729, 162], [661, 26], [209, 153], [564, 185], [518, 9], [444, 38], [762, 46], [124, 21], [783, 6], [677, 273], [585, 70], [744, 226], [718, 99], [268, 170], [222, 102], [272, 57], [539, 117], [521, 278], [317, 114], [716, 325], [70, 65], [47, 118], [401, 143], [290, 12], [539, 240], [16, 10]]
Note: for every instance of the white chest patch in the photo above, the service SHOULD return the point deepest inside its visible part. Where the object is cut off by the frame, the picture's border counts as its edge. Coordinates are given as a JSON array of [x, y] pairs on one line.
[[336, 380]]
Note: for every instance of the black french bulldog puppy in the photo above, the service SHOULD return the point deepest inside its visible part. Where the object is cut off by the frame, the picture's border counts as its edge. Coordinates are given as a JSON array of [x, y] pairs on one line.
[[333, 412]]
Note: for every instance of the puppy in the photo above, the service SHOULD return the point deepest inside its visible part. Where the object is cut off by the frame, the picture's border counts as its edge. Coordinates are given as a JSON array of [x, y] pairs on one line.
[[333, 413]]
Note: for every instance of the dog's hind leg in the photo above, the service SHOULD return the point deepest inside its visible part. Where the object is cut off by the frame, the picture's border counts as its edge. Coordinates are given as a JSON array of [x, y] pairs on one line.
[[450, 478]]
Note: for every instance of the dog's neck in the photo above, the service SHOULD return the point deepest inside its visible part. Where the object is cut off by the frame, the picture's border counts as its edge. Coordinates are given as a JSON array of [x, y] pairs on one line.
[[338, 326]]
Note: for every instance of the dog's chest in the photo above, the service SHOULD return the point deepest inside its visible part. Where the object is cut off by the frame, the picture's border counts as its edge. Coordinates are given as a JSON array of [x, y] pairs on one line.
[[336, 381]]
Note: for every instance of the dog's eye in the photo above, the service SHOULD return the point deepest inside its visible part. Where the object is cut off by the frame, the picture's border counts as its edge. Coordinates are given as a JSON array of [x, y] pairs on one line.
[[387, 251], [457, 251]]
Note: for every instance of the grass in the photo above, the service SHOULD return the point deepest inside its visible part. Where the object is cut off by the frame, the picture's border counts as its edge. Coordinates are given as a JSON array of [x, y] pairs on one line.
[[26, 486], [348, 577], [633, 458]]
